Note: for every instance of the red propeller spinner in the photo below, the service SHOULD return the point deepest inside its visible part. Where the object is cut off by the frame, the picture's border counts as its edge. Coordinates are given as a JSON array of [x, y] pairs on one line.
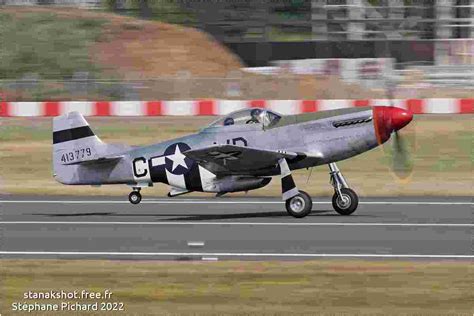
[[388, 119]]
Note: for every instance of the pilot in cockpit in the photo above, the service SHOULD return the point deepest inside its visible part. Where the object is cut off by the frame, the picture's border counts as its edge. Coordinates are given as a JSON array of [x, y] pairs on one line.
[[228, 121], [255, 114]]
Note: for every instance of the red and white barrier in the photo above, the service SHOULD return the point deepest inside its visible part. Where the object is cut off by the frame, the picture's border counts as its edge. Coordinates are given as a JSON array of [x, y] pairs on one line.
[[222, 107]]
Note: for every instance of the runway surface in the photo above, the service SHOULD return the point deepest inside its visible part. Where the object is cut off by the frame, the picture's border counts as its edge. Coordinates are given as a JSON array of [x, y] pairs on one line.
[[229, 228]]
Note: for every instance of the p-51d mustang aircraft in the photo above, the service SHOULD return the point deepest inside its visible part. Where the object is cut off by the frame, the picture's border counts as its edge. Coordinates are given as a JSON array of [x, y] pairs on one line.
[[239, 152]]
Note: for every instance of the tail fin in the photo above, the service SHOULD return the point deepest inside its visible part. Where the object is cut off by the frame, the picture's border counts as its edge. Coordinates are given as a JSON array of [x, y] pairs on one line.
[[80, 157], [73, 142], [71, 126]]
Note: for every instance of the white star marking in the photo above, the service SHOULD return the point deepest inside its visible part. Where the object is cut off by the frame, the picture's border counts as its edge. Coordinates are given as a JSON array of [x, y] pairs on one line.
[[178, 159]]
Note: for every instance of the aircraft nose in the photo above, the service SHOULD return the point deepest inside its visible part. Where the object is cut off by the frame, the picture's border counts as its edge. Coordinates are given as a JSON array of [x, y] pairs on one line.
[[388, 119], [400, 118]]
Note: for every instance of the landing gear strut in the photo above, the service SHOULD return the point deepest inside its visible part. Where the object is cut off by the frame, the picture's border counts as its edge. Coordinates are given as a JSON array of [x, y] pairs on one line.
[[344, 200], [135, 197], [298, 203]]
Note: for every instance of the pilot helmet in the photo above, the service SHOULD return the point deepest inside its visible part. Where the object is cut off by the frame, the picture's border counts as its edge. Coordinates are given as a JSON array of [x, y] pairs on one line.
[[255, 113]]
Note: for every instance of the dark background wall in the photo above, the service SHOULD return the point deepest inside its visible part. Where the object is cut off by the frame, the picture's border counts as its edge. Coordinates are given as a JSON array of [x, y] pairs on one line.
[[256, 54]]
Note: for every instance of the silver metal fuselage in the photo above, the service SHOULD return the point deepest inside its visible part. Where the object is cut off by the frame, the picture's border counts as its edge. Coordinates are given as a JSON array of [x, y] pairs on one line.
[[317, 136]]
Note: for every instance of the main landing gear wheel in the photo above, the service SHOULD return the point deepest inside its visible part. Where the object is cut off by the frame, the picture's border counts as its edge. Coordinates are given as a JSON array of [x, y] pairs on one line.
[[135, 197], [300, 205], [346, 203]]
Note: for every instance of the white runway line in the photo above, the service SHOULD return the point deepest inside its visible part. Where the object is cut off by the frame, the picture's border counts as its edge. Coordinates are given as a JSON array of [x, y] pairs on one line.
[[196, 244], [227, 202], [230, 254], [178, 223], [210, 259]]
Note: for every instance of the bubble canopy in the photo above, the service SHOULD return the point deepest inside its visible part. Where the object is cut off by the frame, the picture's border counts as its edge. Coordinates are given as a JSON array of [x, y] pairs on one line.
[[248, 116]]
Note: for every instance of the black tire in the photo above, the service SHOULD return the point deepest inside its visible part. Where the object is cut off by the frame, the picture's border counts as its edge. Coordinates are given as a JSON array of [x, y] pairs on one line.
[[135, 197], [351, 202], [300, 205]]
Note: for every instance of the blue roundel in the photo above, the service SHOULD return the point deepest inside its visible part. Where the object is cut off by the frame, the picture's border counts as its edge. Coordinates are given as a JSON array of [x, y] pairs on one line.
[[175, 161]]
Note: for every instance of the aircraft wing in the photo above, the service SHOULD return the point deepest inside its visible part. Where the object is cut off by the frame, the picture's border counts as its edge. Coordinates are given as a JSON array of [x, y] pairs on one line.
[[231, 159]]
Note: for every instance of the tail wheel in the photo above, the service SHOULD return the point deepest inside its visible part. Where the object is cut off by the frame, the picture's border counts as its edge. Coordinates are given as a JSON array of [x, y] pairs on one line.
[[346, 203], [300, 205], [135, 197]]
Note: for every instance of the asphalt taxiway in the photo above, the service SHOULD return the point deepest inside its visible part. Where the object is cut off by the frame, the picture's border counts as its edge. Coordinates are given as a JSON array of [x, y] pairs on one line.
[[231, 228]]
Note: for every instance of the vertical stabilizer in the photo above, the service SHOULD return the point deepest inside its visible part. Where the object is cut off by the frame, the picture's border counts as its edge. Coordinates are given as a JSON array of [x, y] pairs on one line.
[[73, 142]]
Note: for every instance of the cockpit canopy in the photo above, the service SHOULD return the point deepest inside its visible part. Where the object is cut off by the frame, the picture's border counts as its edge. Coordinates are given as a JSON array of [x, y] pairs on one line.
[[264, 117]]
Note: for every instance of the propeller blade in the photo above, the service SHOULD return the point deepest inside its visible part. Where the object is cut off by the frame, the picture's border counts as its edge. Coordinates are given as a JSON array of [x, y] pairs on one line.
[[402, 164]]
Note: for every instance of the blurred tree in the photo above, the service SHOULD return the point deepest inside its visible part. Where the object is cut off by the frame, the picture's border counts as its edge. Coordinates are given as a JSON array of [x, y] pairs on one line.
[[145, 9], [111, 4]]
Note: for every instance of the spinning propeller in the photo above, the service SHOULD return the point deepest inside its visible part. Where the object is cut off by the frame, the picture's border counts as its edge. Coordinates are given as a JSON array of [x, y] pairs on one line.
[[389, 120], [402, 163]]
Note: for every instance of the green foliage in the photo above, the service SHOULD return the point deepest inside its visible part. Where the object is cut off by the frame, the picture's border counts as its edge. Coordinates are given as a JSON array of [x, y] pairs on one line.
[[161, 10], [109, 4], [374, 2], [45, 44], [280, 34]]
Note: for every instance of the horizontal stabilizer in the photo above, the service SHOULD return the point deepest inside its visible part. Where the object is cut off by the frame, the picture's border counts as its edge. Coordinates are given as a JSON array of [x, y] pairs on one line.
[[111, 159]]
